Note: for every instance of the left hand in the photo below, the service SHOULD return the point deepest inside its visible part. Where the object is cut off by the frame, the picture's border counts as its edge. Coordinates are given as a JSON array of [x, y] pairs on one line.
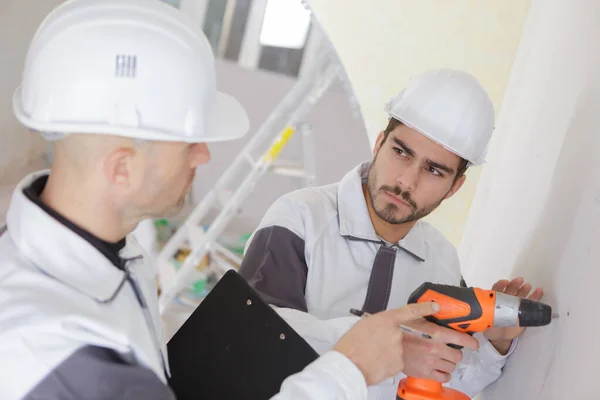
[[501, 338]]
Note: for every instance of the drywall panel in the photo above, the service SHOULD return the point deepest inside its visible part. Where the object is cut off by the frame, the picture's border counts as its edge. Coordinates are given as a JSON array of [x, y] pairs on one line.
[[384, 43], [537, 209]]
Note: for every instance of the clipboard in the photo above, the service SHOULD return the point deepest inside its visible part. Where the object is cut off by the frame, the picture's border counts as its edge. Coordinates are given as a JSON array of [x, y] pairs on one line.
[[234, 346]]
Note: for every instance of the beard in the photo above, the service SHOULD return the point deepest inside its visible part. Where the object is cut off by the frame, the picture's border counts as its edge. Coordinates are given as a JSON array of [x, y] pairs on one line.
[[389, 211]]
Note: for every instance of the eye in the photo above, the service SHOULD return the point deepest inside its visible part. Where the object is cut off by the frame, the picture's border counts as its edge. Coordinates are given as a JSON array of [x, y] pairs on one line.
[[400, 152], [434, 171]]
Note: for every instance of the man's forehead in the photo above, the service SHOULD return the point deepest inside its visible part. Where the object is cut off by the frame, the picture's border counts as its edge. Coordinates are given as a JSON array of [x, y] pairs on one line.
[[422, 146]]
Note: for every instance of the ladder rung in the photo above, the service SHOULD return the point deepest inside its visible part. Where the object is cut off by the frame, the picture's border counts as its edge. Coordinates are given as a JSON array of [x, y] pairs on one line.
[[294, 108], [285, 163], [297, 172]]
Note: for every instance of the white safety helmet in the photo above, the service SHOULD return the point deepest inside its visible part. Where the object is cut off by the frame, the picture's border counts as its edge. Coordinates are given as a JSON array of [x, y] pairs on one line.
[[449, 107], [133, 68]]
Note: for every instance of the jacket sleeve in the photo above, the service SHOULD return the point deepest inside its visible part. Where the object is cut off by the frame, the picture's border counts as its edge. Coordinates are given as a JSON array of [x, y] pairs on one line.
[[479, 369], [274, 264], [331, 376]]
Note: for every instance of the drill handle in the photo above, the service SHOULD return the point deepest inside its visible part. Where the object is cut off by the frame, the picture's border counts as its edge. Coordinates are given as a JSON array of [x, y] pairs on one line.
[[463, 309]]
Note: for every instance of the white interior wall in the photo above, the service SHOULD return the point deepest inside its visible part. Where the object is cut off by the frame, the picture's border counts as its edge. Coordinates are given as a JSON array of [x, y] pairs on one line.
[[20, 150], [384, 43], [18, 22], [537, 209]]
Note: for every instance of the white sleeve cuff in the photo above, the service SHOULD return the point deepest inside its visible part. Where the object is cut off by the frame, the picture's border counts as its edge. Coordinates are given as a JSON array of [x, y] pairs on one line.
[[488, 353], [345, 373], [331, 376]]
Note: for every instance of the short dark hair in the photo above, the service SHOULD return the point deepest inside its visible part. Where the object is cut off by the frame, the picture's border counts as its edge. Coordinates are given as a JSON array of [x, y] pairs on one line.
[[393, 123]]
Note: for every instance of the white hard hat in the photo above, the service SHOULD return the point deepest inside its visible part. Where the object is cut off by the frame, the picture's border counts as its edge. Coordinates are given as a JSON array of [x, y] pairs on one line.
[[451, 108], [134, 68]]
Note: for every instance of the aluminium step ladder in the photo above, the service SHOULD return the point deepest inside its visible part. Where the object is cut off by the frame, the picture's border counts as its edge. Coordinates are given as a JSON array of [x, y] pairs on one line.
[[287, 118]]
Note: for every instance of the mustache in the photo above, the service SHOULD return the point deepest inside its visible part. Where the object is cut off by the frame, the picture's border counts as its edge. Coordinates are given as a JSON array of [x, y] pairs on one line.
[[396, 191]]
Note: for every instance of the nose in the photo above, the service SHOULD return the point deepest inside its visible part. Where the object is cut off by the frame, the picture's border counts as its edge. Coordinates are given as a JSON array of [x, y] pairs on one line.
[[409, 178], [199, 154]]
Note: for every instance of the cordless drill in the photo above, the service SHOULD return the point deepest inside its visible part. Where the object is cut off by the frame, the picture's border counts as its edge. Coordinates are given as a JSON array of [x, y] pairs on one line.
[[469, 310]]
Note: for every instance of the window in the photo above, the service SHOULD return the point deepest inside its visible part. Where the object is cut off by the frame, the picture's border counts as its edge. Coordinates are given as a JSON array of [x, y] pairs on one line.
[[286, 24], [214, 23], [283, 36], [265, 34]]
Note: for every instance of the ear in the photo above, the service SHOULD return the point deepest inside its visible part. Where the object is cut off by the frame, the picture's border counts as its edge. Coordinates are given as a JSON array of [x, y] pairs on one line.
[[378, 143], [457, 185], [118, 166]]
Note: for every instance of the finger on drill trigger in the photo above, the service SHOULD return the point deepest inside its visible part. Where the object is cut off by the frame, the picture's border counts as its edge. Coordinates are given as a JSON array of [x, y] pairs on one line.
[[415, 311], [451, 354], [450, 336], [439, 376], [445, 366]]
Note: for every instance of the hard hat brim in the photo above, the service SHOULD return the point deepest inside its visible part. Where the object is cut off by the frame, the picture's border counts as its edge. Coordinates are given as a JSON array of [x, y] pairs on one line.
[[229, 122]]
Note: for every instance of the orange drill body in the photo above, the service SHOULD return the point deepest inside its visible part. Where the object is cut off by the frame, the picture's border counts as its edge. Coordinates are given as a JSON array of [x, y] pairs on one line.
[[424, 389], [471, 312], [468, 310]]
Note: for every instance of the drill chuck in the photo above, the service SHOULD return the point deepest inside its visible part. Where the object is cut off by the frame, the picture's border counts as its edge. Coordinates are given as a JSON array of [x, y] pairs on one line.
[[534, 313], [512, 311]]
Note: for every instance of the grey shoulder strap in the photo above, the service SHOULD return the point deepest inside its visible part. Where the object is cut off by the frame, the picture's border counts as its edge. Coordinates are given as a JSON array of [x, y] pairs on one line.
[[380, 282]]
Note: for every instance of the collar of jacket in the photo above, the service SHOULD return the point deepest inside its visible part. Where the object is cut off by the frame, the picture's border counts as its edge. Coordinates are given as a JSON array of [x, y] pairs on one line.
[[61, 253], [355, 221]]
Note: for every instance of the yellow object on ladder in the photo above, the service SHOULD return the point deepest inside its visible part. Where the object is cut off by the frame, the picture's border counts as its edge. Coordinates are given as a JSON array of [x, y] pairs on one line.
[[273, 152], [288, 117]]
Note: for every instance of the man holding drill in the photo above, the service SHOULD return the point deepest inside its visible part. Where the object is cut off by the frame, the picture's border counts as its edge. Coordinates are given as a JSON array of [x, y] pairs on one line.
[[361, 243]]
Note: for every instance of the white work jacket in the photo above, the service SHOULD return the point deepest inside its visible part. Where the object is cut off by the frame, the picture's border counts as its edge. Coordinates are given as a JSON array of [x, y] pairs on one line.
[[74, 325], [311, 258]]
